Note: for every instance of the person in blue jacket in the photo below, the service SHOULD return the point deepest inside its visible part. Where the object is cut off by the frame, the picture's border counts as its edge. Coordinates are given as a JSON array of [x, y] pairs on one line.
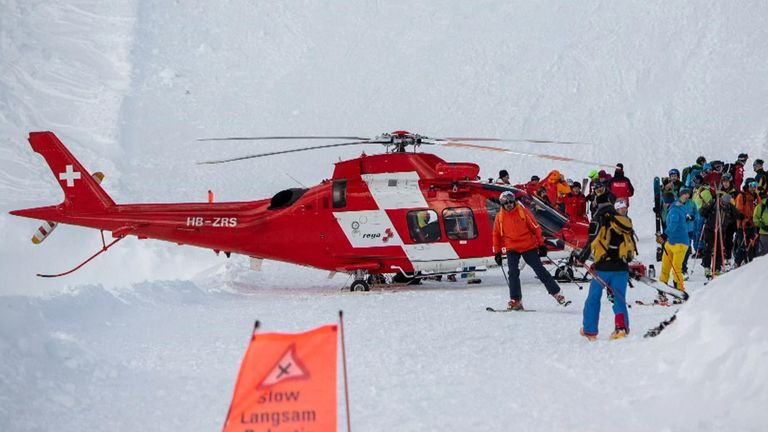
[[675, 240]]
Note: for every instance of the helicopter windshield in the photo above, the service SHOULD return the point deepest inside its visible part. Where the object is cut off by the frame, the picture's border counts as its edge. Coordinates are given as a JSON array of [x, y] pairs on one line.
[[550, 220]]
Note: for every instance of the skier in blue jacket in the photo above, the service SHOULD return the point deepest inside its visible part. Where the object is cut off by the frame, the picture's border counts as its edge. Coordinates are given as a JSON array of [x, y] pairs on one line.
[[675, 241]]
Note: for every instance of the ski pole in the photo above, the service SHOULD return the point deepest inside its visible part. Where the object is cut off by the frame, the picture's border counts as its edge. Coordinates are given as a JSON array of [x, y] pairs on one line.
[[698, 243], [605, 285]]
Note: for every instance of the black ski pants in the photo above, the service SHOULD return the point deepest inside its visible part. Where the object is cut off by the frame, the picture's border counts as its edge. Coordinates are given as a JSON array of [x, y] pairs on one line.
[[531, 258]]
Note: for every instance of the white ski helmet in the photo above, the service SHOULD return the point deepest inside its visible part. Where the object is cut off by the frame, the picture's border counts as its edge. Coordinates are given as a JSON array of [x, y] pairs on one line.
[[507, 197]]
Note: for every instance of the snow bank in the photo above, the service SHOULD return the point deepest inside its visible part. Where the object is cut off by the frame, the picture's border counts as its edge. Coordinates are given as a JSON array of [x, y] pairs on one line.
[[713, 361]]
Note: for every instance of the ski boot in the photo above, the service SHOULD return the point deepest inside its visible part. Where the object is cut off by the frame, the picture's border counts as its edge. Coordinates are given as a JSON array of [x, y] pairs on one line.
[[707, 272], [590, 338], [515, 305], [560, 299], [661, 299], [619, 333]]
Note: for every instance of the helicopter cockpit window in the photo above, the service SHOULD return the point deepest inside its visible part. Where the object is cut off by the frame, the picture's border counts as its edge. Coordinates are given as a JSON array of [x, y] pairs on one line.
[[339, 194], [459, 223], [423, 226]]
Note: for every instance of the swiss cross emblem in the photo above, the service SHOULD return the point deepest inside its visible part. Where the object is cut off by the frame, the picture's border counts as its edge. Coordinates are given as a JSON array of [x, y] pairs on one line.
[[289, 367], [69, 175], [388, 234]]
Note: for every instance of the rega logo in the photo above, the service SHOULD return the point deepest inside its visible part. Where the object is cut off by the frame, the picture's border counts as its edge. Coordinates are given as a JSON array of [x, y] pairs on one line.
[[371, 236]]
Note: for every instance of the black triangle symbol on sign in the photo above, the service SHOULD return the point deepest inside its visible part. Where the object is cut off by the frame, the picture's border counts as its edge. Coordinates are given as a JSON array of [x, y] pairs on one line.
[[288, 367]]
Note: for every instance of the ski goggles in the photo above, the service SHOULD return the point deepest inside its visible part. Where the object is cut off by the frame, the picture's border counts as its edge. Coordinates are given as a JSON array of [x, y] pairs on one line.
[[753, 184]]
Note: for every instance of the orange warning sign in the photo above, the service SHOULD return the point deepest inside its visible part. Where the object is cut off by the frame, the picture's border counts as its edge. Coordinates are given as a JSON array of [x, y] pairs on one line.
[[287, 382]]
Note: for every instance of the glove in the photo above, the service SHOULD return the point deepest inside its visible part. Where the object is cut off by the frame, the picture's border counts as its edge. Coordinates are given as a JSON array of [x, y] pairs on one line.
[[661, 238], [497, 258], [542, 250]]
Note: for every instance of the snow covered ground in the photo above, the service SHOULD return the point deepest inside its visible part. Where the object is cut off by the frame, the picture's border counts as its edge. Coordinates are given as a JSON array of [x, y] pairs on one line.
[[149, 337]]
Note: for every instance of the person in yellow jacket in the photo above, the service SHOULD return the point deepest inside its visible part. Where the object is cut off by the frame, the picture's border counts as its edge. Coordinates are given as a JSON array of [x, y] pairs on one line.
[[517, 233]]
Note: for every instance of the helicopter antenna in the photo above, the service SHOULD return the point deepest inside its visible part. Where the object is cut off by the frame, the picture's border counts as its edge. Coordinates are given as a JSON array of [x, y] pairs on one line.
[[292, 178]]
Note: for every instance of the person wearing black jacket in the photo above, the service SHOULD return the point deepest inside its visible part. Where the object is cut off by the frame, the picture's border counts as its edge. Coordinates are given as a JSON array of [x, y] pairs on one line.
[[610, 270], [728, 214]]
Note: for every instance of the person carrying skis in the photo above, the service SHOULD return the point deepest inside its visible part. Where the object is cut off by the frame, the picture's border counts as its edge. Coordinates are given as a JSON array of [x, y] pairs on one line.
[[517, 233], [576, 204], [611, 241], [675, 240], [719, 216], [620, 185], [760, 219], [746, 202]]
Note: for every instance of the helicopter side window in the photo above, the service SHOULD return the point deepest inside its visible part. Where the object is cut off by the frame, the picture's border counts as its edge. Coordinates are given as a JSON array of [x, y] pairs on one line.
[[423, 226], [339, 194], [459, 223], [493, 206]]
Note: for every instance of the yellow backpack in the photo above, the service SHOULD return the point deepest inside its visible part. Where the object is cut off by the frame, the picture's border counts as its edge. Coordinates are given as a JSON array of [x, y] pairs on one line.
[[615, 240]]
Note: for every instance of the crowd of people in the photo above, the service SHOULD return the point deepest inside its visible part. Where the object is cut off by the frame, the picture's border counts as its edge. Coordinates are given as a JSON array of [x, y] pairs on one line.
[[716, 211], [712, 211]]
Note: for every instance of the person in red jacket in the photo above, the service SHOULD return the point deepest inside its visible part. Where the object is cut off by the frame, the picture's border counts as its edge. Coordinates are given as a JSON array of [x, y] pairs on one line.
[[576, 204], [517, 233], [620, 185]]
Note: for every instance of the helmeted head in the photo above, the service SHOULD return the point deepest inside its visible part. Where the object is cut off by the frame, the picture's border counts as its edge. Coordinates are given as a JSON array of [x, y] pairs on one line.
[[576, 185], [674, 172], [503, 174], [507, 199], [725, 199], [758, 164], [684, 191], [701, 160], [750, 184], [592, 174], [727, 177], [743, 157], [599, 187], [535, 178]]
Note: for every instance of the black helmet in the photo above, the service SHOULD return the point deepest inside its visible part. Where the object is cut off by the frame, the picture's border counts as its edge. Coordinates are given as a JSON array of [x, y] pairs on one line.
[[727, 177]]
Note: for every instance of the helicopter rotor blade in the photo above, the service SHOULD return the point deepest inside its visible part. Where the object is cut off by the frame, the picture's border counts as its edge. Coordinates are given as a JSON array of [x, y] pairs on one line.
[[213, 162], [524, 140], [515, 152], [295, 137]]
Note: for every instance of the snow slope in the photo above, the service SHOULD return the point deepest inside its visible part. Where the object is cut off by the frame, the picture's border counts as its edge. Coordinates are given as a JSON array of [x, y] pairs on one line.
[[159, 330]]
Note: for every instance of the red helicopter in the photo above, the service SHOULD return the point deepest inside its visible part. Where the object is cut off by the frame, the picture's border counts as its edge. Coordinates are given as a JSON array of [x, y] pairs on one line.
[[401, 213]]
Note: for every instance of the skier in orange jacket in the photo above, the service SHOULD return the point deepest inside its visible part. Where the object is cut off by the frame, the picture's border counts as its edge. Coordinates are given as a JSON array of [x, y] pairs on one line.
[[517, 233]]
